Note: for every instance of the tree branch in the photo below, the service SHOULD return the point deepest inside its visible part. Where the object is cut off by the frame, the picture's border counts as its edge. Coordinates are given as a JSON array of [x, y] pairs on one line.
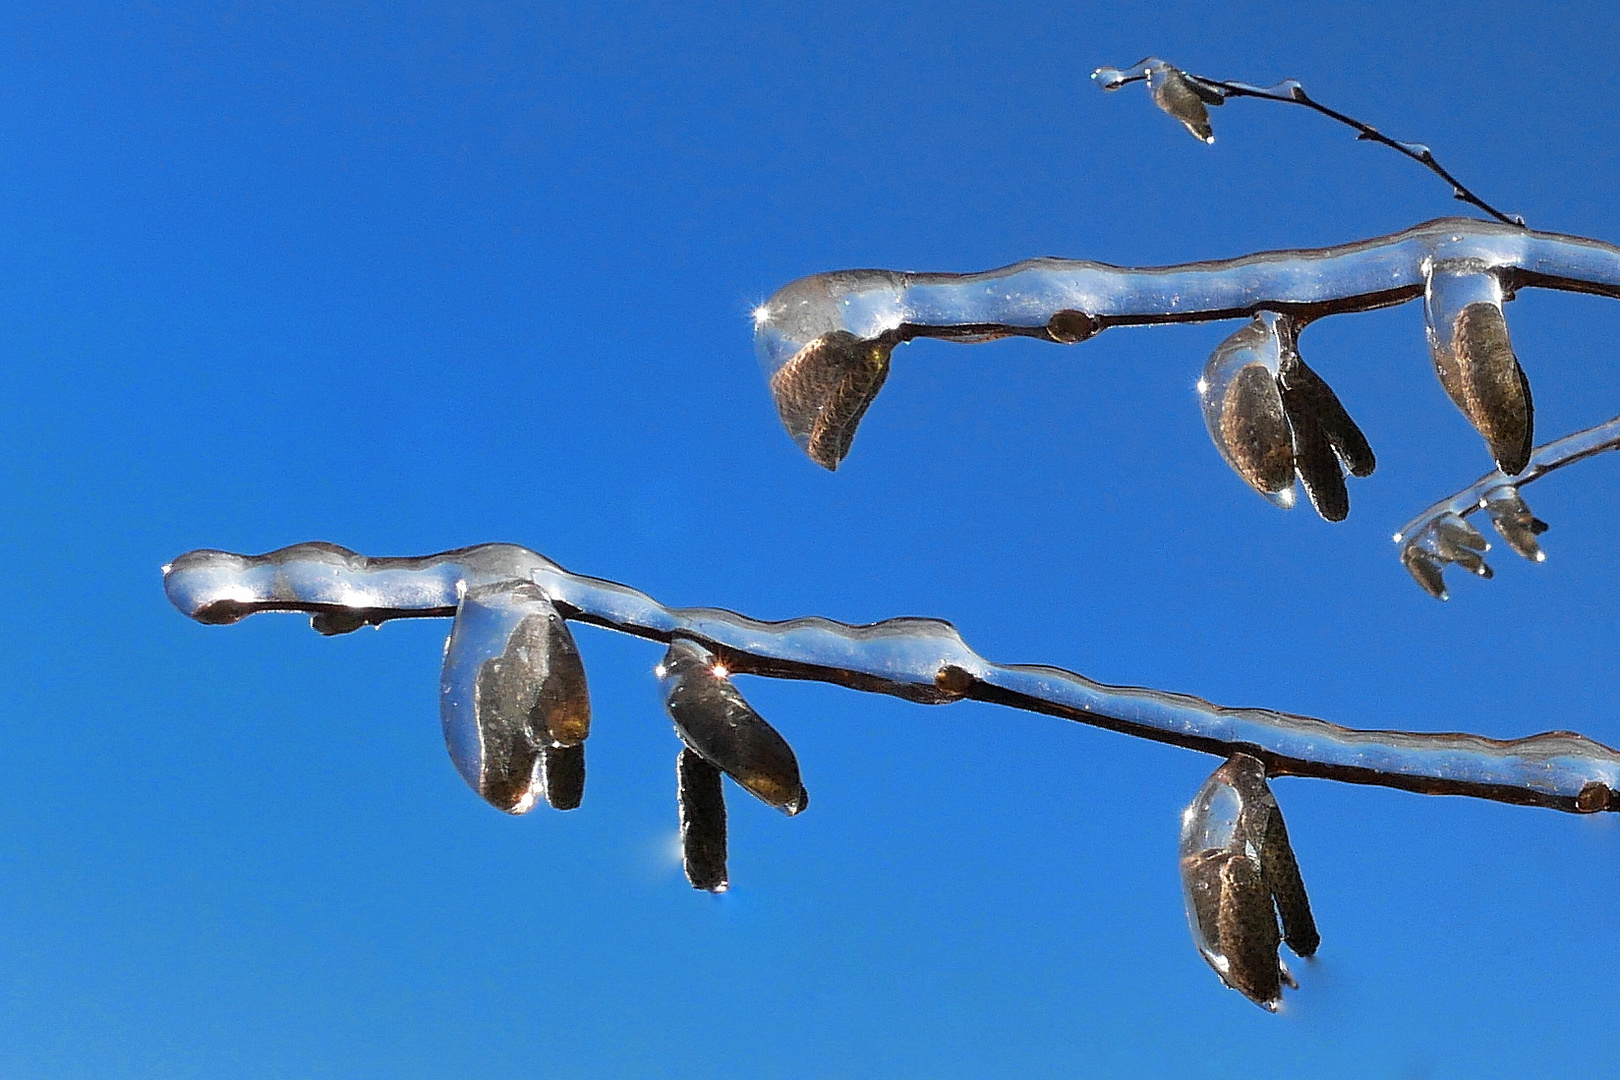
[[922, 660], [825, 341]]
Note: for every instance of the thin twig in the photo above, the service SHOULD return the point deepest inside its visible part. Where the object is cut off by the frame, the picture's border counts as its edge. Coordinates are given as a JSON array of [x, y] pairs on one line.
[[1292, 93], [1438, 537]]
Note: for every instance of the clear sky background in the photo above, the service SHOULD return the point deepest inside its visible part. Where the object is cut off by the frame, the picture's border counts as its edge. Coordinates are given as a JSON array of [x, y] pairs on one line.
[[409, 277]]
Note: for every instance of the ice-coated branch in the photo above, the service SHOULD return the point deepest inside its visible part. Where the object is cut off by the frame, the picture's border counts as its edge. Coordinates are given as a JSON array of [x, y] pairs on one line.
[[1186, 97], [825, 341], [515, 712], [1441, 535], [524, 696]]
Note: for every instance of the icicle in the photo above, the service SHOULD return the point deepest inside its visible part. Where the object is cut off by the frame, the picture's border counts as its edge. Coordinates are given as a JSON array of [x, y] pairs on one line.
[[513, 685], [1239, 874], [703, 822], [712, 719], [1270, 415], [1468, 339]]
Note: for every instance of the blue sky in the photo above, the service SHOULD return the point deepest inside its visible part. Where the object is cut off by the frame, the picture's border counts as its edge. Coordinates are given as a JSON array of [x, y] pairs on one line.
[[409, 277]]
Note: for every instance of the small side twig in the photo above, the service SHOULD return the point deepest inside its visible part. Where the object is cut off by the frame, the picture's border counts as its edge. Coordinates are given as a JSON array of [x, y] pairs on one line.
[[1440, 536], [1207, 91]]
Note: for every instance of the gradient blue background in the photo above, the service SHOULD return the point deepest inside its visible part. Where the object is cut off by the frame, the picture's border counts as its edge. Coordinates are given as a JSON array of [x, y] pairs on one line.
[[410, 277]]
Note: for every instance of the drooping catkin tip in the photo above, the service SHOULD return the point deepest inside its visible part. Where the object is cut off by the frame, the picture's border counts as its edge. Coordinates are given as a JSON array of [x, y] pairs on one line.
[[702, 807], [824, 390]]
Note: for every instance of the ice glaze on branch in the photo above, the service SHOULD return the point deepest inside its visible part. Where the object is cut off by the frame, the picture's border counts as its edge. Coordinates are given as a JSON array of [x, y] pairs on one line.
[[922, 660], [1440, 536], [1185, 97], [825, 341]]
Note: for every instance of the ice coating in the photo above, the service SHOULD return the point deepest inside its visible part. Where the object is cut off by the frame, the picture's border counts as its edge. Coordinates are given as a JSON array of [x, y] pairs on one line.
[[1239, 876], [923, 660], [716, 723], [1210, 90], [825, 341], [512, 687], [1440, 536], [1271, 416], [1243, 408], [1474, 358]]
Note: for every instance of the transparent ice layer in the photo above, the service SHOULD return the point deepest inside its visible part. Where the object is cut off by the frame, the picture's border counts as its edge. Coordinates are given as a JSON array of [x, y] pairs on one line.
[[923, 660], [512, 693], [1238, 875], [1468, 341], [1271, 416], [715, 723], [825, 342]]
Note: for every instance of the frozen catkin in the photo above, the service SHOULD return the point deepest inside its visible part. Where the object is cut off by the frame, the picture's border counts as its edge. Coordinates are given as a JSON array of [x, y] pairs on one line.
[[1272, 417], [1241, 883], [512, 698], [714, 721]]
